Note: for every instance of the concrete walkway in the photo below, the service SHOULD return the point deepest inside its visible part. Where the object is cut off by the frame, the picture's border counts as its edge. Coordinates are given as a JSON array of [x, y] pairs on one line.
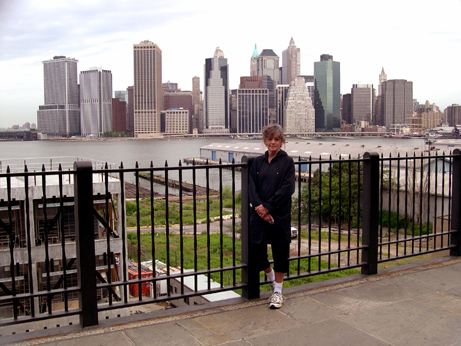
[[418, 304]]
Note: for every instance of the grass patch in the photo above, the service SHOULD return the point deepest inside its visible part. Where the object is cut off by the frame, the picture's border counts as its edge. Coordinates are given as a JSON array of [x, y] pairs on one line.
[[157, 211], [205, 249]]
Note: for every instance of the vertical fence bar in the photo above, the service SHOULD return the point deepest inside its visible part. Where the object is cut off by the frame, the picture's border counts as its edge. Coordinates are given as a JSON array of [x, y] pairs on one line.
[[84, 227], [370, 212], [250, 275], [124, 233], [456, 205]]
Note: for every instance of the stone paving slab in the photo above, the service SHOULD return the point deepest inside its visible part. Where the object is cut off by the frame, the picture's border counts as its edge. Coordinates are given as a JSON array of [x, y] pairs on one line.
[[169, 333], [325, 333], [357, 298], [447, 300], [443, 277], [308, 310], [408, 323], [240, 324], [113, 339]]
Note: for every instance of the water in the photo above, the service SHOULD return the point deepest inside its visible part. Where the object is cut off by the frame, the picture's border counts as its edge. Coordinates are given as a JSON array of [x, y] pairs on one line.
[[144, 151], [129, 152]]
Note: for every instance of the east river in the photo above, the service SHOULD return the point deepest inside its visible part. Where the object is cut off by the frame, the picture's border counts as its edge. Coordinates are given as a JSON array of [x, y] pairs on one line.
[[130, 151]]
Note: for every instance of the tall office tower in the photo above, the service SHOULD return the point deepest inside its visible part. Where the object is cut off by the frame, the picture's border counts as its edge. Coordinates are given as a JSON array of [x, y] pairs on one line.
[[346, 108], [267, 67], [196, 90], [253, 63], [95, 101], [327, 94], [453, 113], [281, 94], [291, 63], [179, 99], [382, 79], [300, 114], [118, 115], [59, 115], [197, 116], [130, 111], [216, 85], [148, 95], [122, 95], [397, 102], [252, 108], [362, 107]]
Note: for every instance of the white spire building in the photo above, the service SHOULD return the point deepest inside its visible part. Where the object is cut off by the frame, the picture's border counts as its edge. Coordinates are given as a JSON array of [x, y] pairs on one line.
[[300, 113]]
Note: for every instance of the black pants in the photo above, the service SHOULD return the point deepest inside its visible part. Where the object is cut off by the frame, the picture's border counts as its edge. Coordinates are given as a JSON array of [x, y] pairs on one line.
[[280, 254]]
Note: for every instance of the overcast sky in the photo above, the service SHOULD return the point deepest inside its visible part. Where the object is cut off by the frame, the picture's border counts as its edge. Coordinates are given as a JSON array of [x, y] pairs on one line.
[[419, 41]]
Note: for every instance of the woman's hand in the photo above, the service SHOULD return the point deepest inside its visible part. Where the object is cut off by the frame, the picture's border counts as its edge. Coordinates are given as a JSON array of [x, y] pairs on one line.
[[264, 214]]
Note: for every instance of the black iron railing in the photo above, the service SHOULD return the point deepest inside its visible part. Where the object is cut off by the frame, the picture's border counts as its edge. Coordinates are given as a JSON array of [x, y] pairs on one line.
[[91, 242]]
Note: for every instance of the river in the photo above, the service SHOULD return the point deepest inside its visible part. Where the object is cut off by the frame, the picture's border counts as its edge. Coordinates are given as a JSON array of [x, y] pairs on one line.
[[144, 151]]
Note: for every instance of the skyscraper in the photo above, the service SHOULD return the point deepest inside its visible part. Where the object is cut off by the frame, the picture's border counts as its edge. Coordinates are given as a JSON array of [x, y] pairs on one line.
[[327, 94], [291, 63], [95, 101], [130, 111], [59, 115], [382, 79], [300, 114], [362, 103], [397, 102], [253, 63], [216, 86], [179, 99], [453, 114], [251, 105], [281, 97], [197, 116], [147, 90], [267, 67], [118, 115], [122, 95]]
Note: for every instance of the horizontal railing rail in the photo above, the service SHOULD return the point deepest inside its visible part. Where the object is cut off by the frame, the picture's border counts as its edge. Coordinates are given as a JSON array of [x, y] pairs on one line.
[[92, 241]]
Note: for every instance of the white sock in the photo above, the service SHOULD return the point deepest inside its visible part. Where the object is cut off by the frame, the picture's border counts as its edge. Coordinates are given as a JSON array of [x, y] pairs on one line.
[[278, 287], [271, 275]]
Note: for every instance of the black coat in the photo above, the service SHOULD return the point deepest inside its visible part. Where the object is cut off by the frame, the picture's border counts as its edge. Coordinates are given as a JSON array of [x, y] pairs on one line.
[[272, 184]]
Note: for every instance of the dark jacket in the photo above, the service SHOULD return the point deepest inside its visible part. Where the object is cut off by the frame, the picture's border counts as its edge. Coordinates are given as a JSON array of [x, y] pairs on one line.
[[272, 184]]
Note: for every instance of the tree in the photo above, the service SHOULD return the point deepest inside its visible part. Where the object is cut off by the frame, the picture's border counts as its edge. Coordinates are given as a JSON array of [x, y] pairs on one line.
[[334, 195]]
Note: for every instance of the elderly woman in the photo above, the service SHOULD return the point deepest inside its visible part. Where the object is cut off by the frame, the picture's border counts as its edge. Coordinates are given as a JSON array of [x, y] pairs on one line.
[[272, 182]]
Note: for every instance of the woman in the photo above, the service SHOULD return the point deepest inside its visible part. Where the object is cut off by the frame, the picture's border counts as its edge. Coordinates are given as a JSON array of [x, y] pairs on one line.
[[272, 182]]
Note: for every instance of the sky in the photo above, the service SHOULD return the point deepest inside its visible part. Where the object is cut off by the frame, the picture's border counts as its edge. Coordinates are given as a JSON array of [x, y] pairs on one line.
[[419, 41]]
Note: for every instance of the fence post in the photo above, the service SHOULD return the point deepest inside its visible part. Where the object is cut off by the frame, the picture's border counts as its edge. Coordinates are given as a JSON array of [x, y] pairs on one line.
[[456, 204], [84, 229], [370, 213], [250, 274]]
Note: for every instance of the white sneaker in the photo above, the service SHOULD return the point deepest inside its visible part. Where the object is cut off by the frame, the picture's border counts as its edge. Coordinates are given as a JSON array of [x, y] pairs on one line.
[[276, 300]]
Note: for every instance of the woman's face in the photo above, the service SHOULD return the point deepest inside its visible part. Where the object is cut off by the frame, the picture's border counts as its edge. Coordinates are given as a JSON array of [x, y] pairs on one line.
[[273, 143]]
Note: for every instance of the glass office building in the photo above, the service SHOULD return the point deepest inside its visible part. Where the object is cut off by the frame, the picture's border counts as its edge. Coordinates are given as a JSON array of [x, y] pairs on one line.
[[327, 99]]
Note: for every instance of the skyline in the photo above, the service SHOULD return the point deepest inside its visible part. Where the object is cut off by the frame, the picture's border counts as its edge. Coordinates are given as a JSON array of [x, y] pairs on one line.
[[363, 38]]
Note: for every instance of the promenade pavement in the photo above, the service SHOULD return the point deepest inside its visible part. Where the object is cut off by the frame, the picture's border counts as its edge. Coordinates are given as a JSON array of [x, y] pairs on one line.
[[417, 304]]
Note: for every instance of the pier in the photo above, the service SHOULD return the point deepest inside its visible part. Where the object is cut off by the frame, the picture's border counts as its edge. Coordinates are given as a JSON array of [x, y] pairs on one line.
[[186, 187]]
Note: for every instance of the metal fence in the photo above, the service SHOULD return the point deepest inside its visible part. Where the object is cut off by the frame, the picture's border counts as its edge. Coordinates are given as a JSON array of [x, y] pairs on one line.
[[91, 242]]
